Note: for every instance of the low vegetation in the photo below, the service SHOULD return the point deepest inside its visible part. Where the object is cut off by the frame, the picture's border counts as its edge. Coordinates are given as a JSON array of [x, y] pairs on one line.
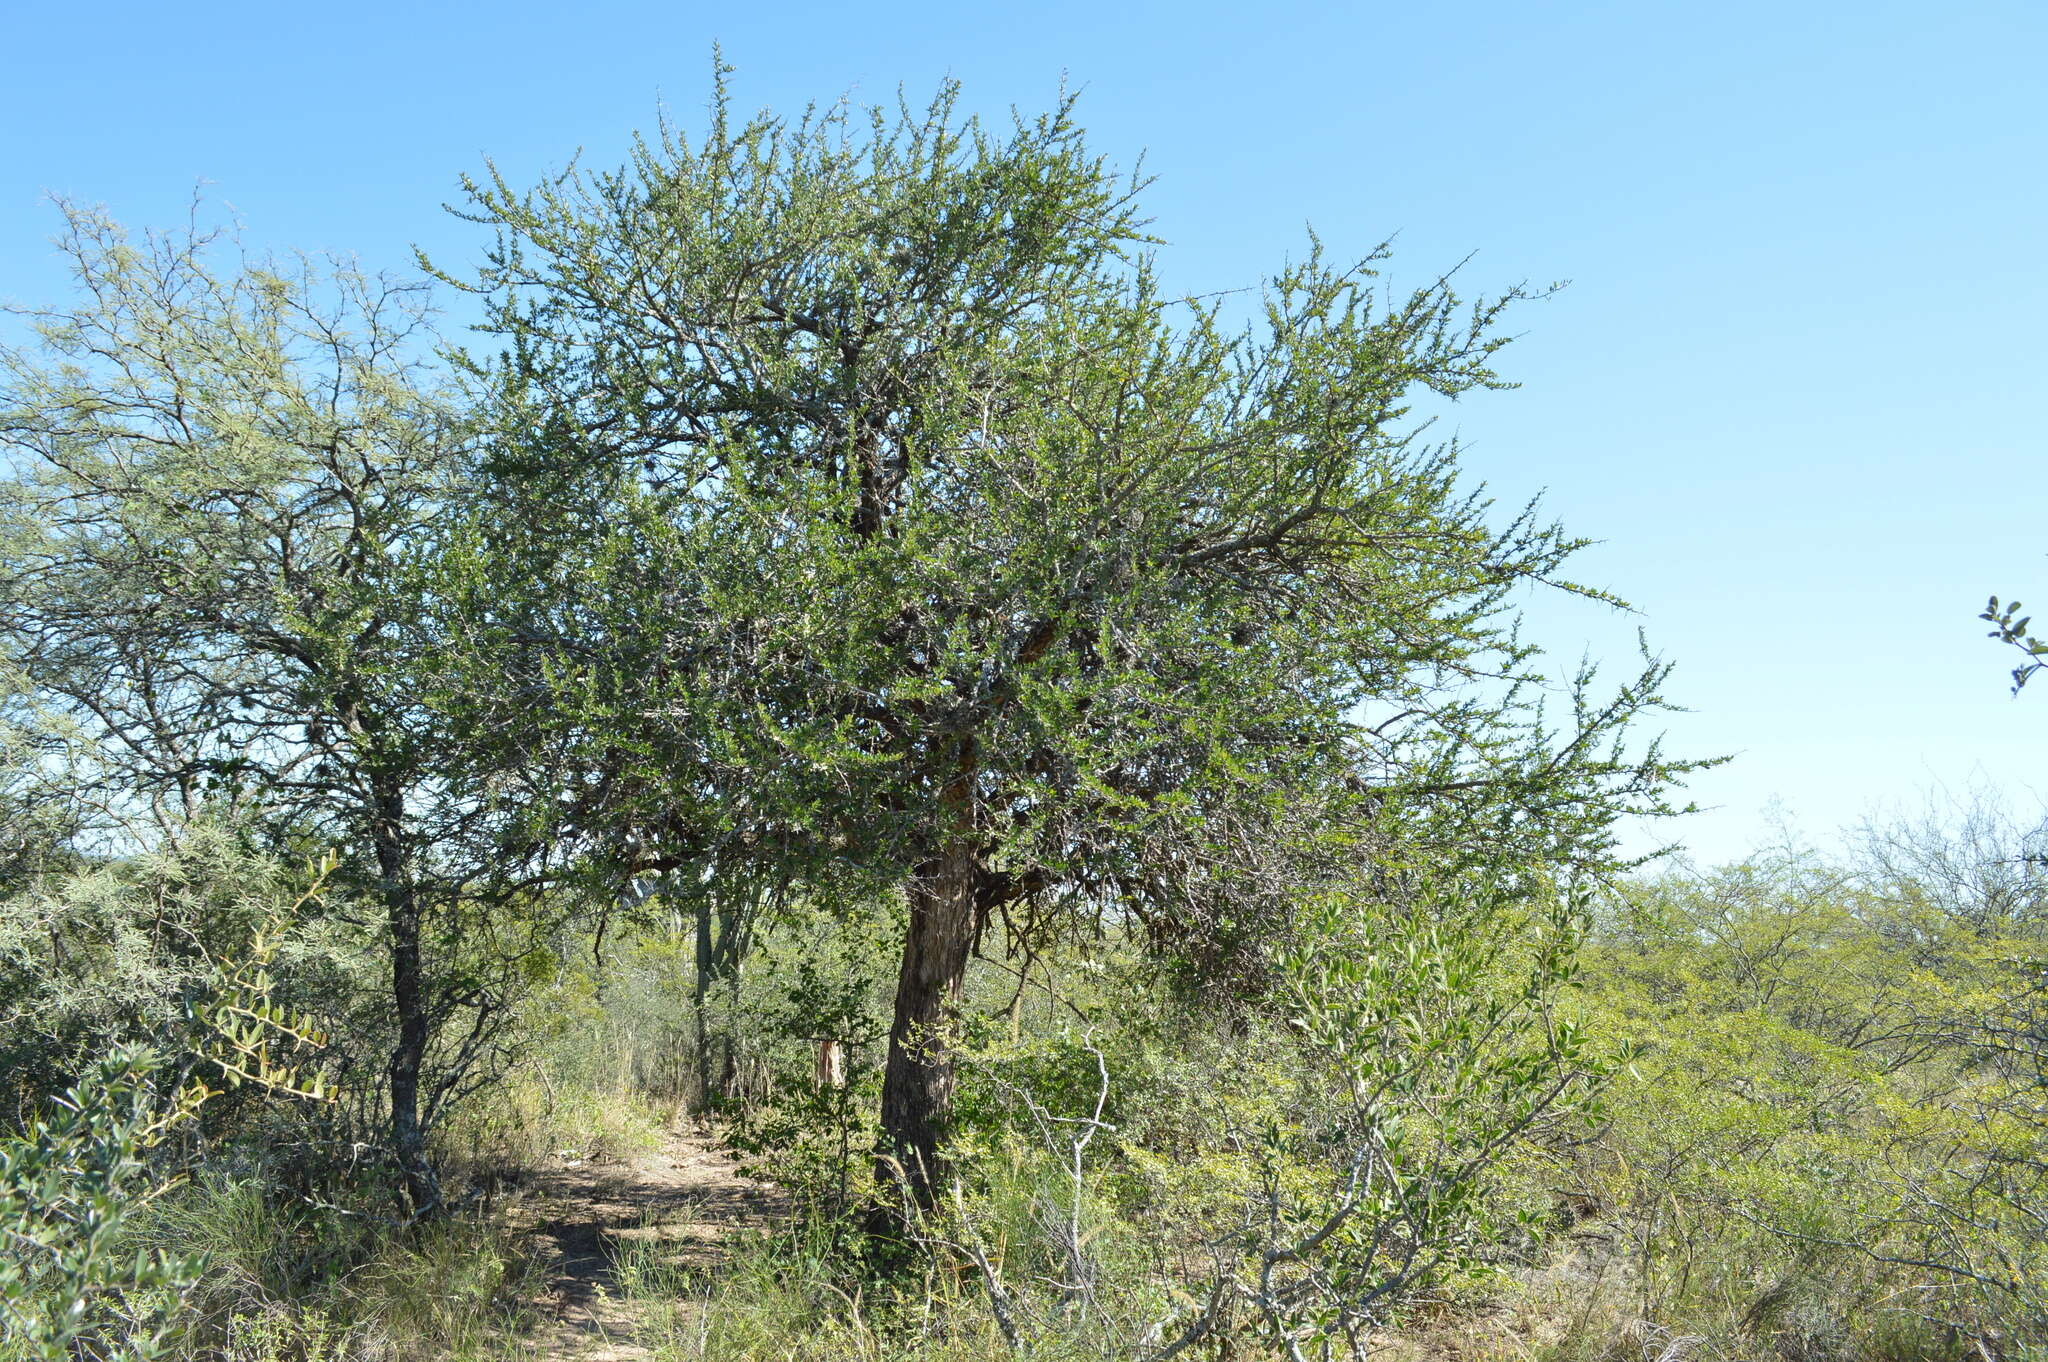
[[1788, 1108]]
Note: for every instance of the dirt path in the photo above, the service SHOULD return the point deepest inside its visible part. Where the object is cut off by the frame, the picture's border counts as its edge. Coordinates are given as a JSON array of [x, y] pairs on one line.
[[685, 1196]]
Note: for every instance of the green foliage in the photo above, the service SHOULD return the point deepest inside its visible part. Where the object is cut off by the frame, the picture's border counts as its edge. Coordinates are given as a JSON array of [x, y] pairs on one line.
[[213, 478], [219, 959], [1836, 1097], [1435, 1024], [1139, 566], [70, 1287], [2008, 625], [98, 954], [1131, 1177], [79, 1281], [813, 977]]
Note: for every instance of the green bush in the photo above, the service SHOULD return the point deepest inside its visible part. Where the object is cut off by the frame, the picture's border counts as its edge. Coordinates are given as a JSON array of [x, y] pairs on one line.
[[71, 1285], [1829, 1142]]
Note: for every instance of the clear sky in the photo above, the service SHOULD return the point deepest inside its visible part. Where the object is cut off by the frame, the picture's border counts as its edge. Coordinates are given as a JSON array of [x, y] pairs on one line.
[[1795, 387]]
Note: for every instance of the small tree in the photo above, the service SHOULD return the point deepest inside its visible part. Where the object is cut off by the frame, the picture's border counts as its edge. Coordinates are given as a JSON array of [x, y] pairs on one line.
[[885, 512], [215, 484]]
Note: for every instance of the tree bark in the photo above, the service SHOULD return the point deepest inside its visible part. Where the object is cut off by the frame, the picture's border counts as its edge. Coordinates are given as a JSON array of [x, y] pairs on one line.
[[917, 1084], [408, 998], [700, 1000]]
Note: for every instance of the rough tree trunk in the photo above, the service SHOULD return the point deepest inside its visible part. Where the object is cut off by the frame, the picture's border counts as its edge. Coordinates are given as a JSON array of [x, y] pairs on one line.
[[917, 1084], [408, 997], [700, 1001]]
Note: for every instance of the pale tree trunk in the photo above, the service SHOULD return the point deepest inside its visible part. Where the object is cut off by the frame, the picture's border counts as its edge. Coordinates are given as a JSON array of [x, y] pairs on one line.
[[917, 1084], [724, 929], [831, 1064]]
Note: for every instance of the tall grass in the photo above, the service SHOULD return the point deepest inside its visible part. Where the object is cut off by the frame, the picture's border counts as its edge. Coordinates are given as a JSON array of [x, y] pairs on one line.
[[328, 1283]]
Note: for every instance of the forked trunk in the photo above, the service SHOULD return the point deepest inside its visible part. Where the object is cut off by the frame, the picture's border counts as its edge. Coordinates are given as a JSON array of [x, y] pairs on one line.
[[917, 1084]]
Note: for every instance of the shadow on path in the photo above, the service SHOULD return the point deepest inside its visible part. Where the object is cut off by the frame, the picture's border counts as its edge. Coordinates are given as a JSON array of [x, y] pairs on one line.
[[686, 1197]]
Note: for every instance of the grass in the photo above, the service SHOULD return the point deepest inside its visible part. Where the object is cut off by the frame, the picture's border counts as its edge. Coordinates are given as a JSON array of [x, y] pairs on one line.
[[324, 1284]]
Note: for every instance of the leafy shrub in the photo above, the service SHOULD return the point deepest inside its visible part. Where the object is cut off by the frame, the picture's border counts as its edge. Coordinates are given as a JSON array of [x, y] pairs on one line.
[[71, 1287]]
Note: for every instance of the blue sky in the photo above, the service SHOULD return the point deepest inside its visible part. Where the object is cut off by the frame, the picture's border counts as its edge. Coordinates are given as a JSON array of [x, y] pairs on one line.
[[1794, 388]]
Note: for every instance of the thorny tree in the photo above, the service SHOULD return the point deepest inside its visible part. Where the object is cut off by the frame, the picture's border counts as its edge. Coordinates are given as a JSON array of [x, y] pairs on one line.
[[911, 527], [214, 482]]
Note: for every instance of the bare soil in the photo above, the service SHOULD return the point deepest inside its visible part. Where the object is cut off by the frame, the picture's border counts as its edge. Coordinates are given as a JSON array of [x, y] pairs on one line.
[[686, 1198]]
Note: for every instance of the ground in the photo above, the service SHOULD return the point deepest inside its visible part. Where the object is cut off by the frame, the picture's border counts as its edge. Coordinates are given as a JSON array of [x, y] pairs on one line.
[[684, 1197]]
